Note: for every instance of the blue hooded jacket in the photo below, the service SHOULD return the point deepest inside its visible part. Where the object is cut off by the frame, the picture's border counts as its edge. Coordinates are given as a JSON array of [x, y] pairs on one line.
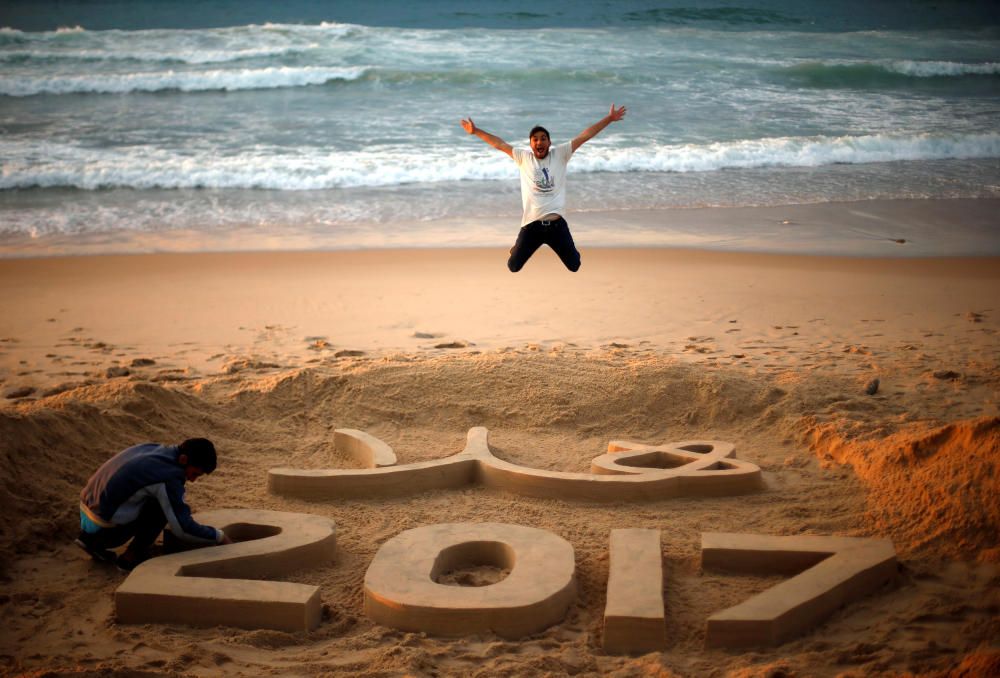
[[114, 495]]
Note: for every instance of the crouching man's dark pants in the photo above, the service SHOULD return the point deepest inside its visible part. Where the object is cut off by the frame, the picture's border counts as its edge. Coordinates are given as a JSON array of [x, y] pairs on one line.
[[143, 531]]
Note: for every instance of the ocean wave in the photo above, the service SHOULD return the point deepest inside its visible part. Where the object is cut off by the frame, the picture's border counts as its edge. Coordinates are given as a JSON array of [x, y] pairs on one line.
[[936, 69], [330, 29], [326, 28], [727, 16], [185, 81], [49, 164], [793, 152], [500, 77], [191, 46], [875, 74], [278, 76], [185, 56]]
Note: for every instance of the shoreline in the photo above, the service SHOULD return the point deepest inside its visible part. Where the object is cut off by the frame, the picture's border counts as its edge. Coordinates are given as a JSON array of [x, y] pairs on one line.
[[901, 228]]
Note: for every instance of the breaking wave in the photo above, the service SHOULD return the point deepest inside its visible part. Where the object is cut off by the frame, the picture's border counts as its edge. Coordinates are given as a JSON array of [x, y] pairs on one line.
[[52, 164], [190, 81], [899, 73]]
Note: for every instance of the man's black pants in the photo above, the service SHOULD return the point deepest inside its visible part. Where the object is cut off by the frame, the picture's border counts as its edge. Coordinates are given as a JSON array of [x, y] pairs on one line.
[[553, 233], [143, 531]]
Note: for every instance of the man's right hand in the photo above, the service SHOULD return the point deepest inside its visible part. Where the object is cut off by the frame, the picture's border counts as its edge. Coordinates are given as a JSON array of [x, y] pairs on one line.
[[493, 140]]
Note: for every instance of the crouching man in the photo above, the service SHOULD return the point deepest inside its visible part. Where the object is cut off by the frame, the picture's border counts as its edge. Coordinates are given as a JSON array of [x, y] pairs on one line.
[[137, 493]]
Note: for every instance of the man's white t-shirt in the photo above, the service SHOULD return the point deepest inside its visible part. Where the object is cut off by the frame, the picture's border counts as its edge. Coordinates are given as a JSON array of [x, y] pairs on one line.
[[543, 182]]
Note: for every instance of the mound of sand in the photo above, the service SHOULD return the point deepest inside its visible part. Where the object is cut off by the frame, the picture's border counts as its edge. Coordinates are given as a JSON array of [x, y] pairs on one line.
[[932, 489], [53, 445]]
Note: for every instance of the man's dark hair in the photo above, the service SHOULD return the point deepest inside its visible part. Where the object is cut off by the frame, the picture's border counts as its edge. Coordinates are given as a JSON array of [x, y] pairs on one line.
[[200, 452], [539, 128]]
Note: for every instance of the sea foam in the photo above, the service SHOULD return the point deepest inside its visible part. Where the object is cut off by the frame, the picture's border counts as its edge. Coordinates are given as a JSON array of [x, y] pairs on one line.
[[935, 69], [307, 168], [185, 81]]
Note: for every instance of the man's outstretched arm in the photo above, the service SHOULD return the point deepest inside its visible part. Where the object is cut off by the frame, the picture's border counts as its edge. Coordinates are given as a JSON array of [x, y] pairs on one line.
[[492, 139], [586, 135]]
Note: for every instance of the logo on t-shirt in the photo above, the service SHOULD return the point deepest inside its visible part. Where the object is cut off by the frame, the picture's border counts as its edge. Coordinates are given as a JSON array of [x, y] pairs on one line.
[[543, 180]]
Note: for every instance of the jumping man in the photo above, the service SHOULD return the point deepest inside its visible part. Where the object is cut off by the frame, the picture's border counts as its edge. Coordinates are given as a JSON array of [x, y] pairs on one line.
[[543, 189]]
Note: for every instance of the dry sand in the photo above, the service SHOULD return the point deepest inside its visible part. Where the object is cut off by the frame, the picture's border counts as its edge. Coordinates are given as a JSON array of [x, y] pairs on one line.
[[268, 353]]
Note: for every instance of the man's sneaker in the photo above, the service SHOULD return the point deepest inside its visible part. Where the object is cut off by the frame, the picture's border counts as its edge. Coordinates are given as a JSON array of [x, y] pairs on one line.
[[95, 552], [128, 561]]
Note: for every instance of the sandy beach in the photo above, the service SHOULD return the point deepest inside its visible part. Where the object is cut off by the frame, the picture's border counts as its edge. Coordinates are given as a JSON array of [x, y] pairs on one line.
[[268, 353]]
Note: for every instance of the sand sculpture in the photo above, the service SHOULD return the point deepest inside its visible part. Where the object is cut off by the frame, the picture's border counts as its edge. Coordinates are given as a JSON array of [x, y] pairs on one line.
[[830, 572], [402, 589], [365, 449], [837, 570], [221, 585], [630, 471], [208, 587], [634, 617]]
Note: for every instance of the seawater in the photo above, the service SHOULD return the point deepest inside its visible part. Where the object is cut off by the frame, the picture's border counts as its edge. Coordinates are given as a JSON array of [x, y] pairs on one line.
[[307, 124]]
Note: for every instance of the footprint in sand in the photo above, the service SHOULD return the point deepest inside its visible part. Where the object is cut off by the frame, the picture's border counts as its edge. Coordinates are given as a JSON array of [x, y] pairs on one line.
[[101, 346], [235, 365], [348, 353], [454, 344]]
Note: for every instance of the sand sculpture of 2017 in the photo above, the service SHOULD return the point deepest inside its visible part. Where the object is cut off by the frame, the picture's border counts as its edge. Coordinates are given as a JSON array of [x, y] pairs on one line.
[[401, 587]]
